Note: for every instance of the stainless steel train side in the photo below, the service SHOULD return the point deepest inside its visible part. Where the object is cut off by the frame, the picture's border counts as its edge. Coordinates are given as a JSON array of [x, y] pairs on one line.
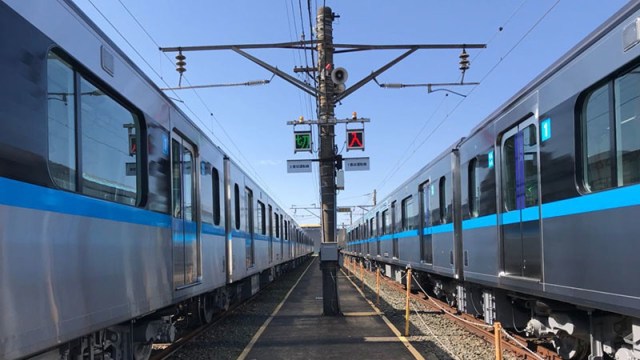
[[115, 209], [548, 192]]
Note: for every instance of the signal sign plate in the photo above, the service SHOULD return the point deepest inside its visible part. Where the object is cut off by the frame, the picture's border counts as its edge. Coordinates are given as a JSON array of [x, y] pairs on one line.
[[355, 139], [356, 164], [302, 141], [298, 166]]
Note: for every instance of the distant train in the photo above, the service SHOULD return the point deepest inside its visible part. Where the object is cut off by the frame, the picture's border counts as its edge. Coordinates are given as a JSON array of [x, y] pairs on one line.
[[533, 220], [118, 216]]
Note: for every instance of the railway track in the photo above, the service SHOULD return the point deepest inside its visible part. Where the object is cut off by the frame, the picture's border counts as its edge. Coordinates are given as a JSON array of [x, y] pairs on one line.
[[186, 346], [521, 347]]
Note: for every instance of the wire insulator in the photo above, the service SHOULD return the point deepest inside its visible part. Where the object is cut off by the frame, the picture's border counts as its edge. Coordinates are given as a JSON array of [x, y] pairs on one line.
[[180, 63], [464, 61]]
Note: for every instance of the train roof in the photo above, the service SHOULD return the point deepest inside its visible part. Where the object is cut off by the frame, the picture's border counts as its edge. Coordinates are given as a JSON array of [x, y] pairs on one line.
[[103, 36], [615, 20]]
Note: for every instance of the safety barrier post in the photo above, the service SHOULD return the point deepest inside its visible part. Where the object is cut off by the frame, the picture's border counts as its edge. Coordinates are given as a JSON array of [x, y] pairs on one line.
[[378, 285], [497, 332], [406, 327], [362, 274]]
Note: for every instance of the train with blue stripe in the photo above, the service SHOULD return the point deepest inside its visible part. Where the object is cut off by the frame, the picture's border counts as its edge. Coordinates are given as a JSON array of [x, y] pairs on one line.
[[119, 217], [532, 220]]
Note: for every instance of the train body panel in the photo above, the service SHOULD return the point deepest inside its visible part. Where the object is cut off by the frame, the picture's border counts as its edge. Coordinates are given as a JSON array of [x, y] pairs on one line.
[[116, 210], [68, 276], [547, 193]]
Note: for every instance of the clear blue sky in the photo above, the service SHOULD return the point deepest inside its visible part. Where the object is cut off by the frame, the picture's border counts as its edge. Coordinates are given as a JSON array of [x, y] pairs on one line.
[[408, 126]]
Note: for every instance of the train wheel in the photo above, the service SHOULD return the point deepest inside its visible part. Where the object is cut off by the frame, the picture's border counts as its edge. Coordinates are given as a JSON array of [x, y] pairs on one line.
[[222, 299], [206, 308], [142, 351]]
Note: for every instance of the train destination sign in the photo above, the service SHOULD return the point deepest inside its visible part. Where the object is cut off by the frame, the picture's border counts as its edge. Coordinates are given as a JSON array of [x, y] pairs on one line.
[[356, 164], [298, 166]]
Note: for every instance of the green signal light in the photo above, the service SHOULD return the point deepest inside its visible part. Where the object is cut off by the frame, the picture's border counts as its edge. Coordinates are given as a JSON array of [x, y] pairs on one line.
[[302, 141]]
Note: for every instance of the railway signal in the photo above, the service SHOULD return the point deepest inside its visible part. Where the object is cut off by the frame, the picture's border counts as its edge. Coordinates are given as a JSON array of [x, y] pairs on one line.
[[355, 139], [302, 141]]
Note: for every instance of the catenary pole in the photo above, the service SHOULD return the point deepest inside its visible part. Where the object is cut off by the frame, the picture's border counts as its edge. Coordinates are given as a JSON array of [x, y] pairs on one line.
[[326, 134]]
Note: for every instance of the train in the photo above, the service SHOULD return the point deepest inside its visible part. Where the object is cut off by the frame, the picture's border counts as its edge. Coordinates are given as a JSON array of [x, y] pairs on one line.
[[119, 217], [531, 220]]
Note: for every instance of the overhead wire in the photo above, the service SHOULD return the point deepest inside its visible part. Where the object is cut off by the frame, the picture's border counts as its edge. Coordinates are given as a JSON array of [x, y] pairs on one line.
[[406, 159], [305, 100], [500, 28], [397, 166], [220, 142], [152, 68], [315, 82]]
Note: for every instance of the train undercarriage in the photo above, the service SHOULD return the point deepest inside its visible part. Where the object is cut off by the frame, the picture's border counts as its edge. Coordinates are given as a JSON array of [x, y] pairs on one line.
[[134, 339], [573, 332]]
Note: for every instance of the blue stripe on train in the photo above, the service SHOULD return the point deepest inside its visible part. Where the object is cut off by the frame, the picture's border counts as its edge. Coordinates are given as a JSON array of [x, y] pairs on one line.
[[19, 194], [604, 200]]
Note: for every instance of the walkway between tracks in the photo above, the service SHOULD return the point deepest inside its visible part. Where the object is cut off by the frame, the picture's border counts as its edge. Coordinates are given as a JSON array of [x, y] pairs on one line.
[[298, 330]]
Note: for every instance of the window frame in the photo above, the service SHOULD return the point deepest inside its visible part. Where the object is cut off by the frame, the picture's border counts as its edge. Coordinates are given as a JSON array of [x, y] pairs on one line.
[[80, 74], [616, 173]]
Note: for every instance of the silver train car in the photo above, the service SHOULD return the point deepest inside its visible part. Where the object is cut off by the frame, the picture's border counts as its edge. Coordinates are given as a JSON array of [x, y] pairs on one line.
[[118, 216], [532, 219]]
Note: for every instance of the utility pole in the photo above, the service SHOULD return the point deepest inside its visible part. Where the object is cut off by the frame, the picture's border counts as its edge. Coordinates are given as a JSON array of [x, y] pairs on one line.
[[327, 94], [326, 134]]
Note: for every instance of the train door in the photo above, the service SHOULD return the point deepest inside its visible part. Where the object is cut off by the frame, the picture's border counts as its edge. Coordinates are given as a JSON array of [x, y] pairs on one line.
[[378, 233], [393, 229], [520, 228], [249, 240], [279, 223], [186, 240], [270, 234], [426, 249]]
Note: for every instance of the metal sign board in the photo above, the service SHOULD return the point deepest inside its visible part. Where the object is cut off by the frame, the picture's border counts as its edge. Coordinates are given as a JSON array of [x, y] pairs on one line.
[[344, 209], [356, 164], [298, 166], [130, 169], [355, 139], [302, 141]]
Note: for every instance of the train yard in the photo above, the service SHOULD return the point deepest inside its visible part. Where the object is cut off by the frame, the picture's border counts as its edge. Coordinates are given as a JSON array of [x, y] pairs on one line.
[[436, 330]]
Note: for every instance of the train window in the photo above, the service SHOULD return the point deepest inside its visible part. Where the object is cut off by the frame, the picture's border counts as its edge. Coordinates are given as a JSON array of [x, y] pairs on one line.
[[474, 188], [277, 227], [249, 242], [408, 214], [215, 178], [270, 233], [262, 219], [236, 193], [627, 125], [372, 227], [61, 112], [509, 171], [426, 206], [611, 133], [385, 215], [206, 194], [108, 137], [385, 221], [394, 224], [176, 189], [597, 140], [442, 189], [286, 230], [530, 148], [109, 147]]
